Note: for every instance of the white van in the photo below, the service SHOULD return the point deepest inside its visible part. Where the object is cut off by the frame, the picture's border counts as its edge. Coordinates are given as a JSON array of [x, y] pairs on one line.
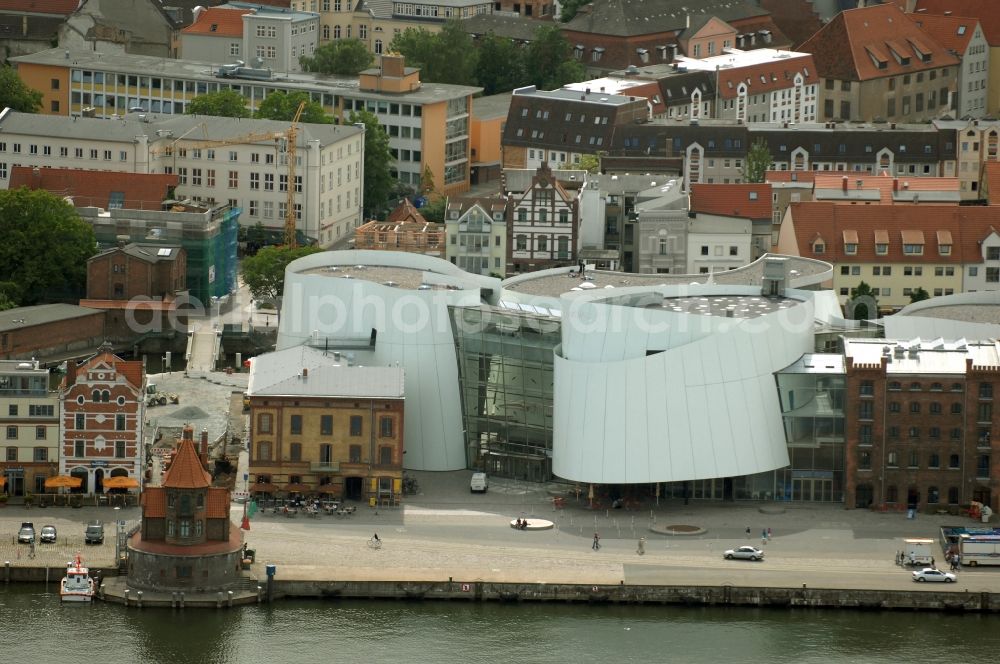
[[479, 483]]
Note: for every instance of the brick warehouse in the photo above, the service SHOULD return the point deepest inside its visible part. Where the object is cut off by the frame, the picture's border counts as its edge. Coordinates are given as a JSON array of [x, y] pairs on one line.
[[919, 424]]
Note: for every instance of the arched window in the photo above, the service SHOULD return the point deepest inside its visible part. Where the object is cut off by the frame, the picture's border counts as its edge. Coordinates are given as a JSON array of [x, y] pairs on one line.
[[96, 396], [336, 32], [378, 46], [326, 32], [105, 396]]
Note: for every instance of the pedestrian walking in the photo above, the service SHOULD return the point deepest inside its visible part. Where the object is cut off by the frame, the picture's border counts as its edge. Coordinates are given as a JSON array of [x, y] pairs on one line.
[[763, 534], [958, 561], [641, 550], [748, 532], [932, 562], [597, 542], [769, 533]]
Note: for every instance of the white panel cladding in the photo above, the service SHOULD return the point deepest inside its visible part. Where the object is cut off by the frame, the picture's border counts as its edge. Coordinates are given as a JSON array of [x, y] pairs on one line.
[[703, 409], [413, 331]]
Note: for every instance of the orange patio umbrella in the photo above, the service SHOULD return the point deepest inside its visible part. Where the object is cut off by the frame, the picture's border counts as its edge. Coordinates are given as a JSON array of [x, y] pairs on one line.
[[121, 483], [60, 481]]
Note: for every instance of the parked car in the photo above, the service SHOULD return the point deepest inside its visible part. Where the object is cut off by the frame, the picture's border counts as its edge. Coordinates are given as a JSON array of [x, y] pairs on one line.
[[479, 483], [94, 533], [47, 535], [933, 574], [26, 535], [744, 553]]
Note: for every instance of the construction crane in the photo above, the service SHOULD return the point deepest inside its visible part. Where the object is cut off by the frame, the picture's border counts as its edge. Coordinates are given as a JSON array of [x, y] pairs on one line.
[[290, 138]]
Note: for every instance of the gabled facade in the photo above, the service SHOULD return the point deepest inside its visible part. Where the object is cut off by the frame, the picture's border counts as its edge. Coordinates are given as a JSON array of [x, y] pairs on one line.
[[101, 25], [137, 270], [477, 235], [875, 62], [103, 410], [29, 422], [542, 225], [963, 37]]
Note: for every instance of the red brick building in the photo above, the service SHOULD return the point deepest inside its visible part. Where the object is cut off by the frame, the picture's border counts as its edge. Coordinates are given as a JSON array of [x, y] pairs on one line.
[[102, 420], [137, 270], [50, 331], [919, 424], [134, 191]]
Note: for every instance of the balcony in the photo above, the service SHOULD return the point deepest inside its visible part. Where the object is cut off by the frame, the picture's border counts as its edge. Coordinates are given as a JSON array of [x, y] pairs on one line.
[[324, 466]]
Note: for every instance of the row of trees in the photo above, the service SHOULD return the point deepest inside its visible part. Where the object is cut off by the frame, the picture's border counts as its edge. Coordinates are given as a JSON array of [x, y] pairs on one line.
[[452, 56]]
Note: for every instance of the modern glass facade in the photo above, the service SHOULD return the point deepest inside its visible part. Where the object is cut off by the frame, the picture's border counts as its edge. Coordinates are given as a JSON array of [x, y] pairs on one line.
[[505, 362]]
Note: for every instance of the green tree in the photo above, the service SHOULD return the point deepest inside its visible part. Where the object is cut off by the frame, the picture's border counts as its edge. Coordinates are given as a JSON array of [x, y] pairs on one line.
[[448, 56], [8, 289], [434, 209], [17, 96], [225, 103], [757, 162], [282, 106], [570, 8], [264, 273], [918, 294], [45, 249], [378, 160], [343, 57], [549, 60], [862, 305], [427, 181], [501, 65], [590, 163]]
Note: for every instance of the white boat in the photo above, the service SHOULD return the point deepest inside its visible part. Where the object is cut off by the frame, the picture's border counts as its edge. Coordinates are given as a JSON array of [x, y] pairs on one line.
[[76, 586]]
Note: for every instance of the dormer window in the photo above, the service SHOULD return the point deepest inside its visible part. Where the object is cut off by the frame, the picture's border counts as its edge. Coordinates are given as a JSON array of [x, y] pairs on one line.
[[850, 248], [881, 249], [819, 248], [944, 243], [944, 249], [850, 242]]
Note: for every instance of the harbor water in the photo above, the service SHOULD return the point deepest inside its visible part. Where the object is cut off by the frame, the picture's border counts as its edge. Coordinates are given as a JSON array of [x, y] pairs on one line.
[[37, 628]]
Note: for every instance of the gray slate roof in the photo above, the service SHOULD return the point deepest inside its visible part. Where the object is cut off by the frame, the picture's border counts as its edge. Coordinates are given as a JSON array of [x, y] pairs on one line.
[[493, 106], [280, 374], [146, 252], [41, 314], [623, 18]]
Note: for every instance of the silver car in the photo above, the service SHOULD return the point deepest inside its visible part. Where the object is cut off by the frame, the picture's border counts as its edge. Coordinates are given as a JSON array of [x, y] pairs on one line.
[[744, 553], [26, 535], [47, 535], [933, 574]]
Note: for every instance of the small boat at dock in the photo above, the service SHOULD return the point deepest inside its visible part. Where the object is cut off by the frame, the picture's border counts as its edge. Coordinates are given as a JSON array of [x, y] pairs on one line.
[[77, 585]]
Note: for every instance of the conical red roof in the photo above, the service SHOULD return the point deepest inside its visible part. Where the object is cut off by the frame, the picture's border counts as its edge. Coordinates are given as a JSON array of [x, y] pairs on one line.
[[186, 471]]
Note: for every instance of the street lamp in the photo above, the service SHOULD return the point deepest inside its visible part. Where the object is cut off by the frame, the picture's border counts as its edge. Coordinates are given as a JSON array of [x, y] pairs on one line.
[[119, 530]]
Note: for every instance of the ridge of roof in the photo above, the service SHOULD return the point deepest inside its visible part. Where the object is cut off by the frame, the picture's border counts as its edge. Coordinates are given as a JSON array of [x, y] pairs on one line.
[[186, 471]]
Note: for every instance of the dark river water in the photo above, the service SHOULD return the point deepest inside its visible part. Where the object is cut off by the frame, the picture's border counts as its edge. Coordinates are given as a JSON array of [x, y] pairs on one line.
[[36, 629]]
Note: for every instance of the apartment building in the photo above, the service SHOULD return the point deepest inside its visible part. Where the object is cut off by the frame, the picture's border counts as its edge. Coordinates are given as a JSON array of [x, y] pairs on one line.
[[427, 123], [262, 36], [875, 63], [103, 411], [477, 235], [320, 425], [216, 160], [557, 127], [730, 225], [962, 36], [29, 416], [542, 224], [919, 423], [977, 143], [985, 11], [943, 249]]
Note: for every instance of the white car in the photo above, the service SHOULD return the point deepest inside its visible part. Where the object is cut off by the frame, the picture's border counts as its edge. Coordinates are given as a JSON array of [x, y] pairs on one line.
[[744, 553], [933, 574]]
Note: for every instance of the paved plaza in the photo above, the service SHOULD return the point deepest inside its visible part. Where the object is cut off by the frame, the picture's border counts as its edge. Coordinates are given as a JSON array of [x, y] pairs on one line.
[[445, 531]]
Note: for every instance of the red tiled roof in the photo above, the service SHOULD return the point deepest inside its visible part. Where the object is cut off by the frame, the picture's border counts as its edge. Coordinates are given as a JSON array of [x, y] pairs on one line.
[[218, 22], [883, 183], [64, 7], [94, 188], [945, 29], [154, 503], [984, 10], [767, 76], [217, 503], [130, 370], [847, 47], [732, 200], [991, 178], [405, 211], [186, 471], [966, 225]]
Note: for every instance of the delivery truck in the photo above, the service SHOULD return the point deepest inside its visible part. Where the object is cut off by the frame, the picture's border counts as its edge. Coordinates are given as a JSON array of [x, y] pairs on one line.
[[979, 549]]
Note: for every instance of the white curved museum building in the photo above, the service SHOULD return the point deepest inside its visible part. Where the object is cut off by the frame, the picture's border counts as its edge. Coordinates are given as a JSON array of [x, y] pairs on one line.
[[598, 377]]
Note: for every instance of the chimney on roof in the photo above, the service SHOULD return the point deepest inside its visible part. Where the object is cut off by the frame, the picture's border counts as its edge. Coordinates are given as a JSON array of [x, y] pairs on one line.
[[121, 240], [843, 183], [204, 448], [895, 184]]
